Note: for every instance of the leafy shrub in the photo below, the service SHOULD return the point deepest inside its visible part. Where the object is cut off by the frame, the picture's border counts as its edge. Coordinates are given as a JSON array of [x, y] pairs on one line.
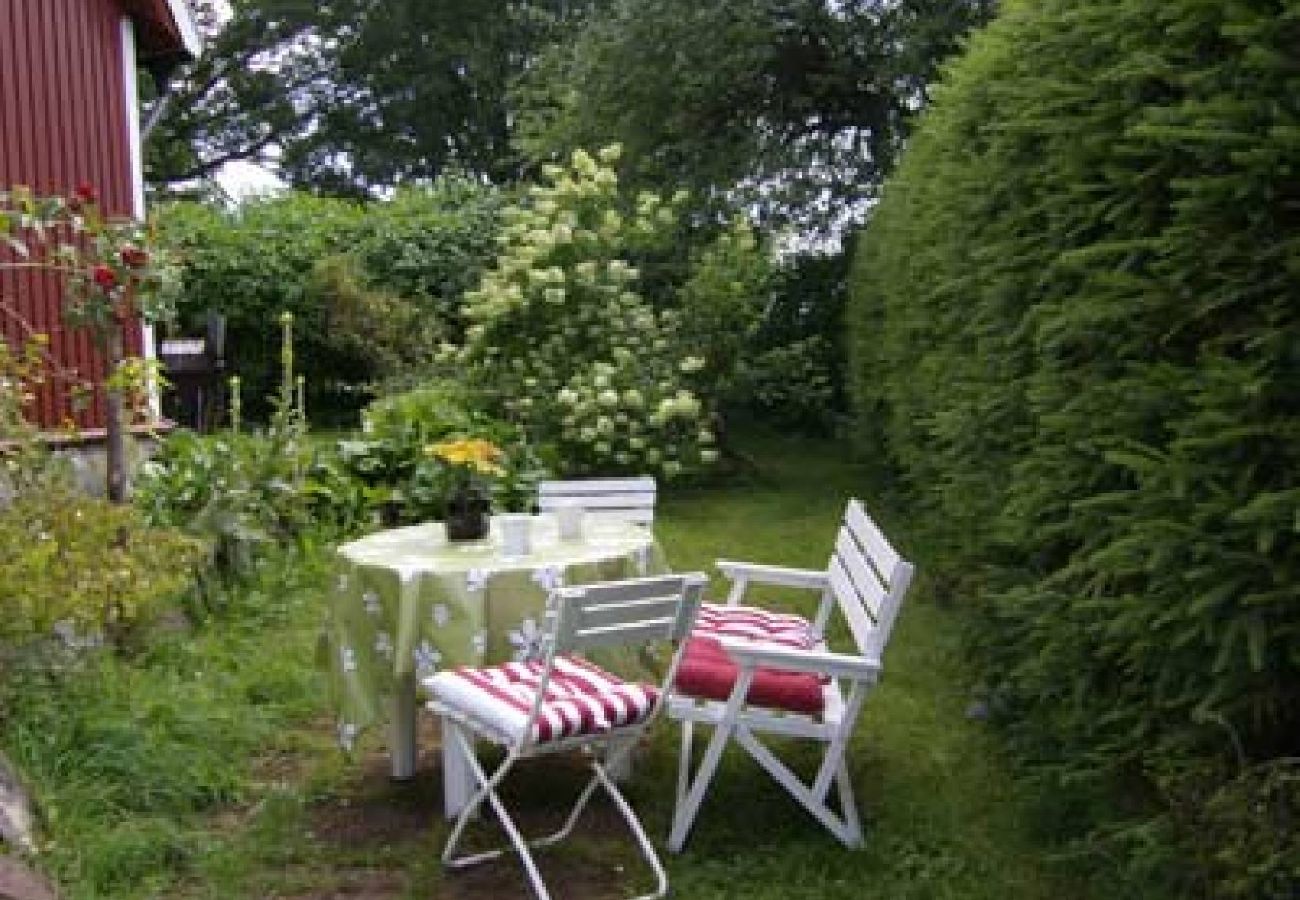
[[798, 368], [90, 567], [721, 304], [561, 340], [238, 491], [793, 385], [409, 260], [253, 263], [374, 334], [429, 246], [1073, 326], [403, 482]]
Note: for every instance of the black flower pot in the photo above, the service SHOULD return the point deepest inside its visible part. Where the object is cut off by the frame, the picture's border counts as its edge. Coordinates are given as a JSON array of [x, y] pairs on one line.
[[467, 515]]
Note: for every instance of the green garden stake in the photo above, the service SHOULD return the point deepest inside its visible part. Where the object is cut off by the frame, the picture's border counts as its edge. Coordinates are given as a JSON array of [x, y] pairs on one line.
[[234, 403], [286, 357]]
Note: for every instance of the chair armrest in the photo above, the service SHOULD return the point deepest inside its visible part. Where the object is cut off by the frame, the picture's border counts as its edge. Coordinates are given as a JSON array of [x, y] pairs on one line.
[[821, 662], [779, 575]]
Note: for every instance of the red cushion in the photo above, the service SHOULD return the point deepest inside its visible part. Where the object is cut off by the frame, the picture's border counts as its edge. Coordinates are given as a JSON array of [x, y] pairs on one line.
[[706, 671], [751, 623]]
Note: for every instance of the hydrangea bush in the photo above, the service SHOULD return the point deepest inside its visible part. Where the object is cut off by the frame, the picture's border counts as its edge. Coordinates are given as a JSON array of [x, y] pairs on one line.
[[562, 340]]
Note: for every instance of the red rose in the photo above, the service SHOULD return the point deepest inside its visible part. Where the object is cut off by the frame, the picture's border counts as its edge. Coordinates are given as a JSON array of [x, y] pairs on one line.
[[86, 192], [104, 276], [134, 256]]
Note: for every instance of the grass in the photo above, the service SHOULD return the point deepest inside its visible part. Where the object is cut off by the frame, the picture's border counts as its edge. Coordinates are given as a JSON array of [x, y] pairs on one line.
[[206, 768]]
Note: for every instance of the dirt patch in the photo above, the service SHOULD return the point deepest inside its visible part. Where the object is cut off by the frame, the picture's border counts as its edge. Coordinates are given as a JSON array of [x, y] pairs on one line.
[[364, 884]]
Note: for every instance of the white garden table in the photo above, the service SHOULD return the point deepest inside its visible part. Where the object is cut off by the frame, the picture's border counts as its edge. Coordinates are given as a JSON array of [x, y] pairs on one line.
[[407, 603]]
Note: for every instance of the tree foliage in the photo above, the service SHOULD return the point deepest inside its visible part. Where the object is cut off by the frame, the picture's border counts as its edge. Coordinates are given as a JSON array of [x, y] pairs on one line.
[[248, 92], [1073, 327], [347, 96], [793, 107]]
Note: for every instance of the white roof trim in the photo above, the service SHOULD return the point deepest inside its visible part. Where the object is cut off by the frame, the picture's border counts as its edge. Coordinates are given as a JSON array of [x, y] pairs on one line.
[[184, 20]]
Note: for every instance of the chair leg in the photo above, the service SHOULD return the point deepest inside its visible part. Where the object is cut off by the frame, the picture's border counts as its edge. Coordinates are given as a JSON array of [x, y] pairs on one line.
[[603, 778], [634, 825], [684, 762], [457, 777], [487, 791], [600, 778], [839, 825], [848, 807], [689, 806], [619, 765]]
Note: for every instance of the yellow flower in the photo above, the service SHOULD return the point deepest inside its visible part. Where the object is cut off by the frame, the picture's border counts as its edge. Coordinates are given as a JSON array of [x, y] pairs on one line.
[[483, 457]]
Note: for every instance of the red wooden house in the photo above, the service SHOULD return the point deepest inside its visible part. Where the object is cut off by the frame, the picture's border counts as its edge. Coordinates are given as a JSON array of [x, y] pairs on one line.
[[69, 115]]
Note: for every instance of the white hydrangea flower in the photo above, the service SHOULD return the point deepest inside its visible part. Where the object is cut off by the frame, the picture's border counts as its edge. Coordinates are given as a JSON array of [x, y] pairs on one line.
[[384, 644], [370, 600], [441, 614], [582, 163]]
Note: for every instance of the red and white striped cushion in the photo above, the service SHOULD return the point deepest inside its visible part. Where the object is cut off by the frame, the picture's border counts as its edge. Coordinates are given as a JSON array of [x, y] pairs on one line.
[[750, 623], [581, 698]]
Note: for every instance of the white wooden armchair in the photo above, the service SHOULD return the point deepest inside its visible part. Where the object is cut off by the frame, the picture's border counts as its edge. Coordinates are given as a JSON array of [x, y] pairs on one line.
[[772, 673]]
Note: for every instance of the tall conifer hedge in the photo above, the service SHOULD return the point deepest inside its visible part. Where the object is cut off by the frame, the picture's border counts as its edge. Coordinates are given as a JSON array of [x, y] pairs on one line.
[[1075, 328]]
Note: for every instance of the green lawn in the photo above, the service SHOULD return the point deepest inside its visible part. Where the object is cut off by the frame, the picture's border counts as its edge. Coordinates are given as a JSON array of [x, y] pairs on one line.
[[274, 811]]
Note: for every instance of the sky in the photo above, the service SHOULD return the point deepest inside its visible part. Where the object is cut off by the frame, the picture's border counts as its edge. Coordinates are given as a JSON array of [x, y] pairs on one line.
[[241, 180]]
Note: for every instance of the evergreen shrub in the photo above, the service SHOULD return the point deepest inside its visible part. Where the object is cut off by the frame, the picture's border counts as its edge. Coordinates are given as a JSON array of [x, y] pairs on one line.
[[1075, 327]]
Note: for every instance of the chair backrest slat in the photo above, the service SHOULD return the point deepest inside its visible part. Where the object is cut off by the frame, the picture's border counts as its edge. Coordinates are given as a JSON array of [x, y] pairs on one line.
[[883, 557], [869, 579], [861, 624], [866, 582], [624, 499], [635, 611]]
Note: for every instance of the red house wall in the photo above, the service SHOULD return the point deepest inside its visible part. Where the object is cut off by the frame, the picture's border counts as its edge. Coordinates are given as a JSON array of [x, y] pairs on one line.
[[63, 121]]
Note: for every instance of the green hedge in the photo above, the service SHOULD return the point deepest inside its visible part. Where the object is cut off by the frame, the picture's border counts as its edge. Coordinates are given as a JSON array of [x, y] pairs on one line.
[[351, 274], [1075, 328]]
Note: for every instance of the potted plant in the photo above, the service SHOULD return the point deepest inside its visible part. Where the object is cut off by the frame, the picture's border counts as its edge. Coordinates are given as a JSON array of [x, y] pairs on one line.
[[470, 462]]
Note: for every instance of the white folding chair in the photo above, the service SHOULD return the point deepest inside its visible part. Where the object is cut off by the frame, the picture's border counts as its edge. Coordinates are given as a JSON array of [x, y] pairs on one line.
[[563, 701], [786, 658], [621, 499]]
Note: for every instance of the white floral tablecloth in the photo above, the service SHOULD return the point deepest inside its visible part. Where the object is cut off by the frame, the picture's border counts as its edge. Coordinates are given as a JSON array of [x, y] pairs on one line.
[[407, 603]]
